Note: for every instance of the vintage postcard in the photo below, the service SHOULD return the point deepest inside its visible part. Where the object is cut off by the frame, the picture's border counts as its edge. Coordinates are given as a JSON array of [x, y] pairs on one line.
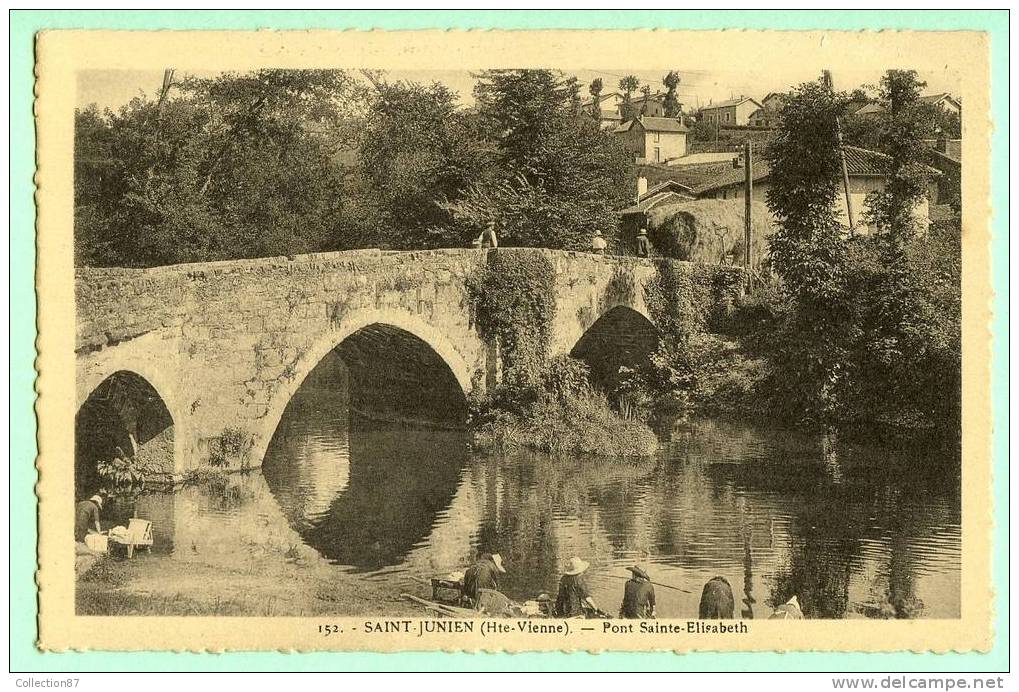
[[514, 340]]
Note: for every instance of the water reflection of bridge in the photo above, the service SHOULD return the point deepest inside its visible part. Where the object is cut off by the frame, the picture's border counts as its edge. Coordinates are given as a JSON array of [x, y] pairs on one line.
[[882, 547]]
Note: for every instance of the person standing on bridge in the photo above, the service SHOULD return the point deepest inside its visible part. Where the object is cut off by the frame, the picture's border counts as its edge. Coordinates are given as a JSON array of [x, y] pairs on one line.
[[488, 238], [643, 244]]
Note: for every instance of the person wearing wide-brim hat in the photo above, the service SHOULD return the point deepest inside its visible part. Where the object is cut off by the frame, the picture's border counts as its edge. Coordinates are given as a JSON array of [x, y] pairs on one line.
[[483, 574], [574, 594], [638, 597], [643, 244]]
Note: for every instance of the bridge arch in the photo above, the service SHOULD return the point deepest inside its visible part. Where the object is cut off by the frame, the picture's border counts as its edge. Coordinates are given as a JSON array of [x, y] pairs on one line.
[[622, 336], [123, 414], [370, 324]]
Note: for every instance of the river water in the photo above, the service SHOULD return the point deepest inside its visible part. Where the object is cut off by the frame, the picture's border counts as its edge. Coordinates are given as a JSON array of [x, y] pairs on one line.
[[852, 530]]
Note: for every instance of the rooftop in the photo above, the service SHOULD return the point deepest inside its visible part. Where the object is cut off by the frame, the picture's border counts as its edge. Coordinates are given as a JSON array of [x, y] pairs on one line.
[[936, 98], [730, 102], [859, 162], [654, 124]]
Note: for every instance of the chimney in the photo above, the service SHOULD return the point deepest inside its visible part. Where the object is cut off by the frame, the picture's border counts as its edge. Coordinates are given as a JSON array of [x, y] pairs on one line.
[[641, 186]]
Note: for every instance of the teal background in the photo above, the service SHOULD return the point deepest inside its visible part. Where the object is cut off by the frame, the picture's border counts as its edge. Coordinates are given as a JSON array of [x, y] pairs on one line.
[[23, 654]]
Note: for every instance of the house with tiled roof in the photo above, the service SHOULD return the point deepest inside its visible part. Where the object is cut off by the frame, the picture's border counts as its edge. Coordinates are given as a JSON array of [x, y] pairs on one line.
[[867, 174], [731, 113], [944, 101], [946, 156], [608, 105], [869, 109], [774, 101], [611, 104], [652, 139], [662, 193]]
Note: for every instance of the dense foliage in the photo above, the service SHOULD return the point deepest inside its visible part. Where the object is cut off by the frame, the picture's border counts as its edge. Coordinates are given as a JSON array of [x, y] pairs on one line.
[[557, 177], [565, 416], [416, 150], [513, 303], [280, 162], [901, 136], [235, 166], [863, 328]]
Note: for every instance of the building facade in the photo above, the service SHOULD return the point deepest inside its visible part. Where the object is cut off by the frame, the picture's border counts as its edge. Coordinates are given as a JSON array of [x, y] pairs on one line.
[[731, 113], [945, 102], [611, 104], [654, 140], [866, 176]]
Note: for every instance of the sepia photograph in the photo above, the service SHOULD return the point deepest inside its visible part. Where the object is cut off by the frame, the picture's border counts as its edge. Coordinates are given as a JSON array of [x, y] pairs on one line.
[[410, 350]]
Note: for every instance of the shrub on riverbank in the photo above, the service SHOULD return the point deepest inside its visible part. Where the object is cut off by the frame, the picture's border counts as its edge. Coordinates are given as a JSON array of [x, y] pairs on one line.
[[579, 425], [894, 352], [559, 414]]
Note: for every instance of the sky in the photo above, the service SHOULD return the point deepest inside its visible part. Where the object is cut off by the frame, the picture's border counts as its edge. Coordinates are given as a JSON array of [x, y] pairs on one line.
[[114, 88]]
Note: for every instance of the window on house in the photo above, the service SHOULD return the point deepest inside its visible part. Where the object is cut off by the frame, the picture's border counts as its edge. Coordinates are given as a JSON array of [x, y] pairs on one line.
[[726, 117], [658, 154], [658, 136]]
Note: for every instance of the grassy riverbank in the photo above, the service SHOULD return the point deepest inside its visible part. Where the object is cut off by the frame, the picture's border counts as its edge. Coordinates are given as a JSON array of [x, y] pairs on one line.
[[160, 585]]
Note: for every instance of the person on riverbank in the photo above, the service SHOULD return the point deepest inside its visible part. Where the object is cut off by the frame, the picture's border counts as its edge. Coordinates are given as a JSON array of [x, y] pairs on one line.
[[717, 601], [574, 594], [483, 574], [86, 516], [643, 244], [638, 596], [790, 610]]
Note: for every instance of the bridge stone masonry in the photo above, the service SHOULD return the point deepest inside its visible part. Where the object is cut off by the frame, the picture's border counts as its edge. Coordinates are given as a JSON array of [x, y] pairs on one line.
[[196, 363]]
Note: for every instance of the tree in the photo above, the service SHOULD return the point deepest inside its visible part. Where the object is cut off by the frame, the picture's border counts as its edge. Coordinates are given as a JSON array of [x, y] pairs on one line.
[[805, 180], [808, 250], [596, 88], [573, 85], [870, 327], [417, 149], [901, 89], [646, 93], [672, 105], [628, 85], [557, 178], [703, 131], [240, 165], [909, 122]]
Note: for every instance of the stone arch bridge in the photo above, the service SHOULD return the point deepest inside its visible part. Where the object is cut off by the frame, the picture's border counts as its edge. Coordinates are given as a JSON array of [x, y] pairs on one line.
[[198, 362]]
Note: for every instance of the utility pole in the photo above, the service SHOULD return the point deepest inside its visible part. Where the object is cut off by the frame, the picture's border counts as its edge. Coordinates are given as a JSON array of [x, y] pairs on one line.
[[167, 83], [748, 195], [826, 76]]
